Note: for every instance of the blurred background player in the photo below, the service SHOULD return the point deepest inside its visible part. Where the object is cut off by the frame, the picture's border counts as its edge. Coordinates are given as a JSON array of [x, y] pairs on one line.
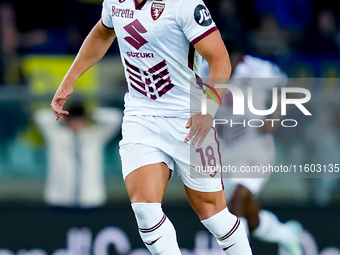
[[75, 176], [242, 145]]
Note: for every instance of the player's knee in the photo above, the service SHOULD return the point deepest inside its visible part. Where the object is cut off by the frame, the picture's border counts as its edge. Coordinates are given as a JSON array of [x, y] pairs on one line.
[[147, 216], [206, 204], [209, 207], [147, 213]]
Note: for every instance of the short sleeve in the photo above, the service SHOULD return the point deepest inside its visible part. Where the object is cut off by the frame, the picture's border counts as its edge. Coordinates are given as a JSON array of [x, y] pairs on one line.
[[194, 19], [106, 17]]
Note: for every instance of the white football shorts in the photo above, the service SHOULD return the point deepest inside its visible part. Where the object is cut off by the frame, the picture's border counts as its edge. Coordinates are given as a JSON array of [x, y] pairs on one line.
[[154, 139]]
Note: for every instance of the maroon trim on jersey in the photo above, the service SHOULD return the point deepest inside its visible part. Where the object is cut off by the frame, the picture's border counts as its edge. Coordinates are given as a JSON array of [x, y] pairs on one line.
[[139, 6], [196, 40], [191, 57], [111, 28]]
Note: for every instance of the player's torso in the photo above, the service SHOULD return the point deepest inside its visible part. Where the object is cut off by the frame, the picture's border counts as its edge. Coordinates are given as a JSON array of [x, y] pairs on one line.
[[147, 33], [156, 52]]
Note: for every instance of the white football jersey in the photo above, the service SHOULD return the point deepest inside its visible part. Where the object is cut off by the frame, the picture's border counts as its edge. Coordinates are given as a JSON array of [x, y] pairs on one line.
[[260, 75], [156, 41]]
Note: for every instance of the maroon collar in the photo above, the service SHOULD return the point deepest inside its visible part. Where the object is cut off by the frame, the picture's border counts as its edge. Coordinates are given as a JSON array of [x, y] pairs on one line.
[[139, 6]]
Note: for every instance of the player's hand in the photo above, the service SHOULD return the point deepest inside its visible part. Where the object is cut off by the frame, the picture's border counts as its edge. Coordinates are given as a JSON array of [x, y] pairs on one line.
[[200, 126], [59, 100]]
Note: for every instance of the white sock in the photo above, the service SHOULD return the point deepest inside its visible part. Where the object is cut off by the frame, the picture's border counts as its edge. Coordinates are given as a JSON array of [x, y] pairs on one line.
[[271, 229], [245, 224], [229, 232], [155, 229]]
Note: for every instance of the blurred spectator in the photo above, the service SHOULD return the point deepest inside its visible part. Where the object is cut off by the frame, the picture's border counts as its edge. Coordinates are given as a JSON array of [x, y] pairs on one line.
[[282, 25], [229, 21], [80, 26], [9, 41], [269, 39], [30, 27], [42, 26], [323, 37], [75, 154], [39, 27], [247, 12], [291, 15]]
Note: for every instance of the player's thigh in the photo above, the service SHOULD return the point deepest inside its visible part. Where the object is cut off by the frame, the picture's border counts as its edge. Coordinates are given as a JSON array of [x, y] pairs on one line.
[[145, 166], [148, 183], [206, 204]]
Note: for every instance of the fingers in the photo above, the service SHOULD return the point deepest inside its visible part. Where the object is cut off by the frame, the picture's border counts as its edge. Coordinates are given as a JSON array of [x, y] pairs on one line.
[[60, 115], [197, 132], [188, 125], [58, 111], [57, 106], [200, 137]]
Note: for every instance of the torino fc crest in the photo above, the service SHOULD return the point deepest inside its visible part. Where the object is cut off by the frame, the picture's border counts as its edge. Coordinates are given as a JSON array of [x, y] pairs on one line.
[[157, 10]]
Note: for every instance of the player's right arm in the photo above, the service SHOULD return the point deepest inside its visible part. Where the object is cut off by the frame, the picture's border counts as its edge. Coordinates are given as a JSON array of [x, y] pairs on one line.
[[92, 50]]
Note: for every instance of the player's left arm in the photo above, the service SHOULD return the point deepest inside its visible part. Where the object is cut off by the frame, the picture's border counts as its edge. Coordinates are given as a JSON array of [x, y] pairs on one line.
[[213, 50]]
